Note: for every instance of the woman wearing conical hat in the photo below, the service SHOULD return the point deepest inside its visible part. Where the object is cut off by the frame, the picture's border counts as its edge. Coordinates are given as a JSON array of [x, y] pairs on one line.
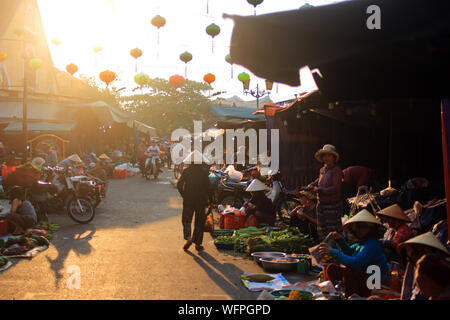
[[328, 188], [398, 231], [357, 257], [259, 205], [411, 251], [74, 162]]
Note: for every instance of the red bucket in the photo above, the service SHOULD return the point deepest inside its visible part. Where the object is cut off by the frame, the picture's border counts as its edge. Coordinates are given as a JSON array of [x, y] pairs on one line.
[[228, 221], [3, 227]]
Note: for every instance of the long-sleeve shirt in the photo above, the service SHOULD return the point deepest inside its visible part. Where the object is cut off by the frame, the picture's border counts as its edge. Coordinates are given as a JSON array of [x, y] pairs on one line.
[[194, 185], [329, 184], [358, 176], [361, 255]]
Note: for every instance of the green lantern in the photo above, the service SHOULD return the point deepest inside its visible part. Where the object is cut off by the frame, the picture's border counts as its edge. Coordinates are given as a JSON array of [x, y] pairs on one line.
[[213, 30], [185, 57], [245, 79], [255, 3], [142, 79]]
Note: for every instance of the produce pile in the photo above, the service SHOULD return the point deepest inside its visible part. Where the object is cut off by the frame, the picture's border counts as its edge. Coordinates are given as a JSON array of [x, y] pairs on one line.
[[3, 261], [17, 246], [49, 228], [252, 239]]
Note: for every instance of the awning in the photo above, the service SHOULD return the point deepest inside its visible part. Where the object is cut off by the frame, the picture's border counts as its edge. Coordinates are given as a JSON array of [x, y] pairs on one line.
[[225, 113], [407, 57], [142, 127], [16, 127], [241, 124]]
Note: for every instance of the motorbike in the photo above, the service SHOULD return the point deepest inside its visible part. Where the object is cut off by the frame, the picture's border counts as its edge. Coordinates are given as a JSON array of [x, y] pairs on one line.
[[151, 167], [283, 200], [59, 191]]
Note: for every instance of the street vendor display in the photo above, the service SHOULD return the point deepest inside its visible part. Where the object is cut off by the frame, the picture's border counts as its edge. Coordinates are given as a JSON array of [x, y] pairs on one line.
[[356, 258]]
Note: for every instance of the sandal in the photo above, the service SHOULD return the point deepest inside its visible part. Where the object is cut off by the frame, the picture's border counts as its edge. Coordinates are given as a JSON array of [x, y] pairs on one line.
[[187, 245]]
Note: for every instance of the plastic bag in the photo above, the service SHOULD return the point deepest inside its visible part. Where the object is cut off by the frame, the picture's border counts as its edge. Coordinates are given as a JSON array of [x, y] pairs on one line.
[[314, 251]]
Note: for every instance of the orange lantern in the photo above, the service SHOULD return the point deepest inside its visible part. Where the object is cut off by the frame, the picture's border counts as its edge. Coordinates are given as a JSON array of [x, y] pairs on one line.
[[3, 56], [107, 76], [136, 53], [209, 78], [177, 81], [71, 68]]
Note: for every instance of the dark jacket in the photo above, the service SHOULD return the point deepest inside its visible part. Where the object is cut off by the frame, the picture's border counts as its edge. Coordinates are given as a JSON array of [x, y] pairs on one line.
[[194, 185]]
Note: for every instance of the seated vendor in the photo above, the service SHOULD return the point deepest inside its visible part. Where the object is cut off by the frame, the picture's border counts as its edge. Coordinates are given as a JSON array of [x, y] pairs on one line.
[[398, 231], [304, 216], [22, 215], [411, 251], [74, 162], [433, 277], [259, 205], [358, 257]]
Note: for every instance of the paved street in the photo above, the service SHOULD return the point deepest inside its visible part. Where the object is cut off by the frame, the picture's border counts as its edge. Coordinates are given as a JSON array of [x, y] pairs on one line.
[[132, 250]]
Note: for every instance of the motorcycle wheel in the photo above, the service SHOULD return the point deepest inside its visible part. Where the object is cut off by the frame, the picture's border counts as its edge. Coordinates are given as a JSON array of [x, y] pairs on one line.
[[148, 173], [81, 215]]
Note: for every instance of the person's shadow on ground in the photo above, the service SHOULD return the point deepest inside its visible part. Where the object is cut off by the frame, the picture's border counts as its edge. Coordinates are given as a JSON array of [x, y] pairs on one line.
[[228, 278], [75, 243]]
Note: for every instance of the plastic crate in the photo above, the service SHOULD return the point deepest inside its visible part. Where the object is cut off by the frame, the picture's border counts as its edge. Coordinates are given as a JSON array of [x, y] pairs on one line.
[[222, 232], [224, 246], [22, 177]]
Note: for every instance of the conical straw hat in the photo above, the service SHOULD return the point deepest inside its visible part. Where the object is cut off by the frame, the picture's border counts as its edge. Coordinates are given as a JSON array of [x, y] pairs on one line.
[[427, 239], [256, 185], [363, 216], [104, 157], [394, 211], [75, 158], [328, 148]]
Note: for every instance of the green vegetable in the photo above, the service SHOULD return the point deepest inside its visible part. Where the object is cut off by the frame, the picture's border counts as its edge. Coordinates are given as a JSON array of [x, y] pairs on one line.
[[3, 261]]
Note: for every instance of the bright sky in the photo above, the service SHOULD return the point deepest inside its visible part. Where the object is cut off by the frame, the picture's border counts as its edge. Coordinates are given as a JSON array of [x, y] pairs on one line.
[[121, 25]]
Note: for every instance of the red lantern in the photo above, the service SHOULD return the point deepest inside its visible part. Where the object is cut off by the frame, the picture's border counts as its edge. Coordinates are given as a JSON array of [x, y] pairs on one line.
[[107, 76], [71, 68], [177, 81], [209, 78]]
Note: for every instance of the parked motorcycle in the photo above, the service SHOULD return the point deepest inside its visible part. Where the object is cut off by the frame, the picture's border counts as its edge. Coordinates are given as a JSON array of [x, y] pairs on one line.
[[59, 191], [283, 200]]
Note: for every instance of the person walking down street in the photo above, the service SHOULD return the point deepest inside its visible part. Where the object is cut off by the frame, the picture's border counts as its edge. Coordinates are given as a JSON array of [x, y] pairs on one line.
[[328, 188], [194, 187]]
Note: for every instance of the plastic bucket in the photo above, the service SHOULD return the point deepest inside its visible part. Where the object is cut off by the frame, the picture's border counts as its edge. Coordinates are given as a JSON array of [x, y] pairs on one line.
[[228, 221]]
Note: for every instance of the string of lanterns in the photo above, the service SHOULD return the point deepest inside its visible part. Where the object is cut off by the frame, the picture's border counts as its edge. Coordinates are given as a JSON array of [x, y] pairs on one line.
[[142, 79]]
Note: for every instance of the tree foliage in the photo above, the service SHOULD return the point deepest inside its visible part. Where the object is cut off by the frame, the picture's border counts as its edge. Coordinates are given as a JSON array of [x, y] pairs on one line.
[[165, 108]]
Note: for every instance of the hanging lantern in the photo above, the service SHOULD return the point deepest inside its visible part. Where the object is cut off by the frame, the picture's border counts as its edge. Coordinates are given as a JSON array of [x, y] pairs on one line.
[[255, 3], [245, 79], [97, 48], [209, 78], [56, 41], [107, 76], [3, 56], [158, 22], [213, 30], [177, 81], [142, 79], [269, 85], [228, 59], [136, 53], [185, 57], [35, 63], [71, 68]]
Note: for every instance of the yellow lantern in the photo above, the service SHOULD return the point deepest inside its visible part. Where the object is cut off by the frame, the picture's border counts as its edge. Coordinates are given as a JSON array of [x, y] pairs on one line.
[[56, 41], [2, 56], [35, 63]]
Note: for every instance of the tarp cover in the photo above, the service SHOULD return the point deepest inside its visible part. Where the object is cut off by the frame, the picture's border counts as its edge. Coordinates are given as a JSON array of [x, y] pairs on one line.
[[225, 113]]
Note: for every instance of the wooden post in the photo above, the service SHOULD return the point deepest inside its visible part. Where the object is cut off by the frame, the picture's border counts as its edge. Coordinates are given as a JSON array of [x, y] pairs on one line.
[[445, 121]]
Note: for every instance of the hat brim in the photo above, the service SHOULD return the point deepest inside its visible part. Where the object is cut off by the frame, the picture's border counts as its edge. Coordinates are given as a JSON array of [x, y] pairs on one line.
[[319, 154]]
